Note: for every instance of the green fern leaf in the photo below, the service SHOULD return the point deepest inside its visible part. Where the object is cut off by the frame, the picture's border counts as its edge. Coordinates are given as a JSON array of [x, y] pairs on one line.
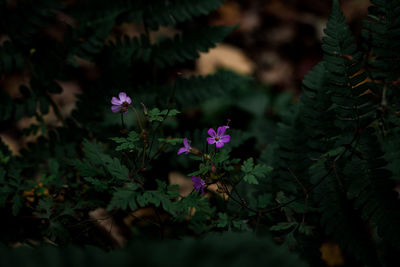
[[168, 13]]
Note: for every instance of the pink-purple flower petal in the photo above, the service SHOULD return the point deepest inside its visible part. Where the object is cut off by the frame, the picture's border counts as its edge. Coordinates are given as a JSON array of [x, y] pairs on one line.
[[116, 108], [219, 144], [185, 143], [122, 96], [115, 101], [212, 132], [198, 184], [211, 140], [182, 150], [128, 100], [225, 138], [186, 147], [221, 130]]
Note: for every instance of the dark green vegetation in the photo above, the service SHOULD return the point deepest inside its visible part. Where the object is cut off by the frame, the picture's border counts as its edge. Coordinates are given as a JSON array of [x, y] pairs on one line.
[[334, 154]]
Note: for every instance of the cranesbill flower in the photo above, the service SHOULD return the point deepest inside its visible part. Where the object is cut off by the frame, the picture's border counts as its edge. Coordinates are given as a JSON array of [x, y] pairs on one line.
[[218, 138], [186, 149], [198, 184], [120, 104]]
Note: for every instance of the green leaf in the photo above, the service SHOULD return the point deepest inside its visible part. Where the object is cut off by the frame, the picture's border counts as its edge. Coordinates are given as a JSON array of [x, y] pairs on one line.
[[261, 170], [250, 178], [223, 220], [93, 152], [203, 170], [248, 165], [44, 208], [124, 198], [118, 170], [222, 156], [156, 115], [253, 172], [241, 225], [98, 185], [173, 112], [283, 226], [128, 143], [86, 168], [3, 159]]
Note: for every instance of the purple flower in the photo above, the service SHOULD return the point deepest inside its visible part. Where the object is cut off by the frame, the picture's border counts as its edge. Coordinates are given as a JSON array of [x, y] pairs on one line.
[[121, 103], [198, 184], [218, 138], [186, 149]]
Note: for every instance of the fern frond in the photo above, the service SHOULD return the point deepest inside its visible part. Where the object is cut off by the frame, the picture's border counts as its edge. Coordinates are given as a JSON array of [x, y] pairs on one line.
[[372, 189], [94, 40], [28, 19], [167, 52], [317, 110], [340, 220], [168, 13], [100, 10], [292, 140], [347, 79], [382, 35], [187, 46]]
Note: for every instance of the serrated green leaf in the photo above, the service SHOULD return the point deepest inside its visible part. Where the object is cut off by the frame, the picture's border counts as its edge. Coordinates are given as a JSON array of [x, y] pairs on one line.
[[118, 170], [248, 165], [93, 151], [124, 198], [261, 170], [173, 112], [250, 178], [128, 143], [222, 156], [253, 172], [155, 115]]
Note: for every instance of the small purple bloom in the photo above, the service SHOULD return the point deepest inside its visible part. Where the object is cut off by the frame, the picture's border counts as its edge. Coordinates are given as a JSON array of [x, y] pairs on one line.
[[218, 138], [198, 184], [186, 149], [121, 103]]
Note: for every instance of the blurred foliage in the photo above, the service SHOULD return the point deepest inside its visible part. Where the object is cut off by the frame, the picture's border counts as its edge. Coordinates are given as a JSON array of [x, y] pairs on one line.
[[233, 249]]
